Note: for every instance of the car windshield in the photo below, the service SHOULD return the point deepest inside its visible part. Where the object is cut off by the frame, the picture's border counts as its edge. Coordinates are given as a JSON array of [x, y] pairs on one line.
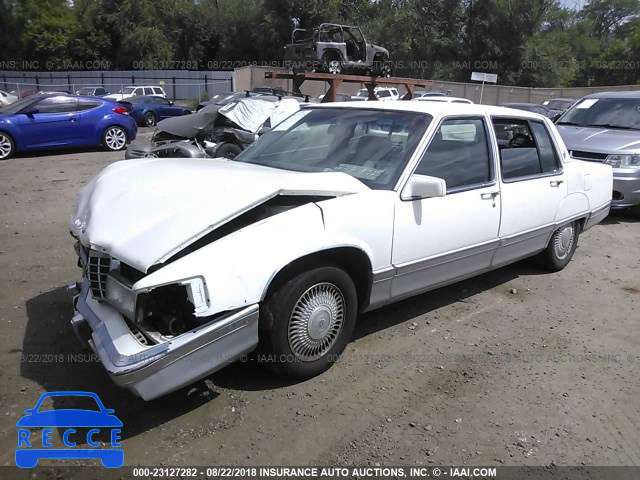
[[19, 105], [557, 104], [614, 112], [128, 90], [363, 93], [85, 91], [66, 402], [373, 146]]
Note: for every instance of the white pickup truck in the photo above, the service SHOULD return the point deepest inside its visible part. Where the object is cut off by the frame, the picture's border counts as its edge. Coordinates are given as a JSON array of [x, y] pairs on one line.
[[190, 264]]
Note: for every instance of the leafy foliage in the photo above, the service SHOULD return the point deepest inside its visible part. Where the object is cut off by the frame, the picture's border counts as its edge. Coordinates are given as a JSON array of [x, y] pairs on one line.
[[526, 42]]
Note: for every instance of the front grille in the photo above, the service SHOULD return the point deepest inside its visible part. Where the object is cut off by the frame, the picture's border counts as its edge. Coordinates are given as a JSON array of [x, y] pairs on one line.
[[589, 156], [97, 271]]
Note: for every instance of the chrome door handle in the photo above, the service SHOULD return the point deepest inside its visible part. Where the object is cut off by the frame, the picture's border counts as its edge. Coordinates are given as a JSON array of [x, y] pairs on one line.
[[556, 183], [489, 196]]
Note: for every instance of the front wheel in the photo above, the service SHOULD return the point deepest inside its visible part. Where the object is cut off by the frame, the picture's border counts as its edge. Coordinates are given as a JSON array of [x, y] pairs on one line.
[[307, 322], [228, 150], [7, 147], [332, 65], [114, 138], [561, 247]]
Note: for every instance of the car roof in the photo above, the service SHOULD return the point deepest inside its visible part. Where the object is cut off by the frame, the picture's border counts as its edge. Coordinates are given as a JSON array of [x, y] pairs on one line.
[[523, 104], [439, 98], [79, 97], [137, 98], [623, 94], [432, 108]]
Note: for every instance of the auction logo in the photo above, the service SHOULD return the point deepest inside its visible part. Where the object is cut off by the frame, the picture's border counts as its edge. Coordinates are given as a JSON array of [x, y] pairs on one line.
[[97, 421]]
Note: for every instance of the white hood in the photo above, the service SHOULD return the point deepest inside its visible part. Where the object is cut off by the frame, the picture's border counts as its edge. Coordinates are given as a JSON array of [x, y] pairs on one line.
[[144, 211]]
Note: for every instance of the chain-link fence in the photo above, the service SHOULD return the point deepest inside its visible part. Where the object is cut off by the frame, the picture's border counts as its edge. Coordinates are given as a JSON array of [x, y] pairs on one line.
[[178, 84]]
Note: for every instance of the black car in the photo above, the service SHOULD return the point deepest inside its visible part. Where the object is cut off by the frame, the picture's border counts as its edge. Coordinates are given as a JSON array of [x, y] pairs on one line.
[[531, 107]]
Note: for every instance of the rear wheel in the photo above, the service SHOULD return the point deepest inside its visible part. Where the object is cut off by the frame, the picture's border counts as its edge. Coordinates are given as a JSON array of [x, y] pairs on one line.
[[307, 322], [561, 247], [149, 119], [114, 138], [635, 211], [7, 146]]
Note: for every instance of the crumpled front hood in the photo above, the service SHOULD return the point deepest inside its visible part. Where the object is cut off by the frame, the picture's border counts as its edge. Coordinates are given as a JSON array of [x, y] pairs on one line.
[[600, 140], [144, 211]]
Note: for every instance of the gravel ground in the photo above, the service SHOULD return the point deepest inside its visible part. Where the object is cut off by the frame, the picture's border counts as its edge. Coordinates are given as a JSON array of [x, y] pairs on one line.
[[515, 367]]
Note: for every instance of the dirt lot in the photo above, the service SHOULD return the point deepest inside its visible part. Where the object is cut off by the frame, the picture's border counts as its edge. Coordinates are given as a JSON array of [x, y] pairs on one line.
[[516, 367]]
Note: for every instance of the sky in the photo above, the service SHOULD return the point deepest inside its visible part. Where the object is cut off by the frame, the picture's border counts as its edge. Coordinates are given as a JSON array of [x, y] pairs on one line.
[[574, 4]]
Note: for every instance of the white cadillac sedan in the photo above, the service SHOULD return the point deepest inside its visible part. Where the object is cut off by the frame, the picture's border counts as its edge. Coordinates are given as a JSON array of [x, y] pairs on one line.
[[189, 264]]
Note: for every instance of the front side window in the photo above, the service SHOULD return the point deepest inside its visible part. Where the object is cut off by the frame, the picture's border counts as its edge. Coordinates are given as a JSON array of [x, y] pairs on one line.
[[373, 146], [459, 154], [526, 149]]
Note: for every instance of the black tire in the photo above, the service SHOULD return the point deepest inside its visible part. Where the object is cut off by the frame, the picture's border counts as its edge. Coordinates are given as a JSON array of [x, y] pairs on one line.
[[307, 322], [561, 247], [7, 146], [228, 150], [635, 212], [149, 119], [114, 138]]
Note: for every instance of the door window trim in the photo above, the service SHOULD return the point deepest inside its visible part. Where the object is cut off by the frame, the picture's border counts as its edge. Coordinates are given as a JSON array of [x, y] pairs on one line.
[[525, 178], [490, 151]]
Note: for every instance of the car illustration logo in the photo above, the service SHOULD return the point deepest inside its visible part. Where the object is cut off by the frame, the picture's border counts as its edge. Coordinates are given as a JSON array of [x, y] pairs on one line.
[[96, 422]]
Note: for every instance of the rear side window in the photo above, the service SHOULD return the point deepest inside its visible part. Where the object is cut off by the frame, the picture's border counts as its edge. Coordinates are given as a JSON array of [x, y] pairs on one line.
[[526, 149], [84, 104], [459, 154], [56, 105]]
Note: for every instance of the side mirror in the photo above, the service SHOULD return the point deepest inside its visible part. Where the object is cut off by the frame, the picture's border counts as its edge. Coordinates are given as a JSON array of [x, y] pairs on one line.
[[171, 102], [263, 130], [423, 186]]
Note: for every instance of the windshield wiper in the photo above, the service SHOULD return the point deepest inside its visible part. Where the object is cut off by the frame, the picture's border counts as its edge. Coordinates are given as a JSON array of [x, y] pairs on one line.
[[609, 125]]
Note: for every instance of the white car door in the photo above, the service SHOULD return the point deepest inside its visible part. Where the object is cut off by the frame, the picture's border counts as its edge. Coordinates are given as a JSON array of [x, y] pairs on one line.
[[532, 187], [444, 239]]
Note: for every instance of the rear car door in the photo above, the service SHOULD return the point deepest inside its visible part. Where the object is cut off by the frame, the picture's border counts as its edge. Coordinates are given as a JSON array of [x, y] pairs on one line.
[[53, 121], [443, 239], [532, 186]]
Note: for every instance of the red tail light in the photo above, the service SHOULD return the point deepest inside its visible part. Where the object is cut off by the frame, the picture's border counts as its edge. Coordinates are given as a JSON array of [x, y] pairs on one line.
[[121, 110]]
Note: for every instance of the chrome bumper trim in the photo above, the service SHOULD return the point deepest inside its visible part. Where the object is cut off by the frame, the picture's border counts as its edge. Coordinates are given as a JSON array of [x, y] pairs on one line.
[[154, 371]]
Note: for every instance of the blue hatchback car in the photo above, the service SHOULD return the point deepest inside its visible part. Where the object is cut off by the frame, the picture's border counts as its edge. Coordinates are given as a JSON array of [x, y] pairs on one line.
[[148, 110], [42, 122], [97, 418]]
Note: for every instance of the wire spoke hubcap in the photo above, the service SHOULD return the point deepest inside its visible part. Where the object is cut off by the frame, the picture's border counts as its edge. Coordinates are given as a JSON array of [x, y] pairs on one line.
[[115, 138], [316, 321], [563, 241]]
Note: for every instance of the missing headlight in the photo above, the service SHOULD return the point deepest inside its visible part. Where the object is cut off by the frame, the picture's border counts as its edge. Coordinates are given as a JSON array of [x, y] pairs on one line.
[[166, 309]]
